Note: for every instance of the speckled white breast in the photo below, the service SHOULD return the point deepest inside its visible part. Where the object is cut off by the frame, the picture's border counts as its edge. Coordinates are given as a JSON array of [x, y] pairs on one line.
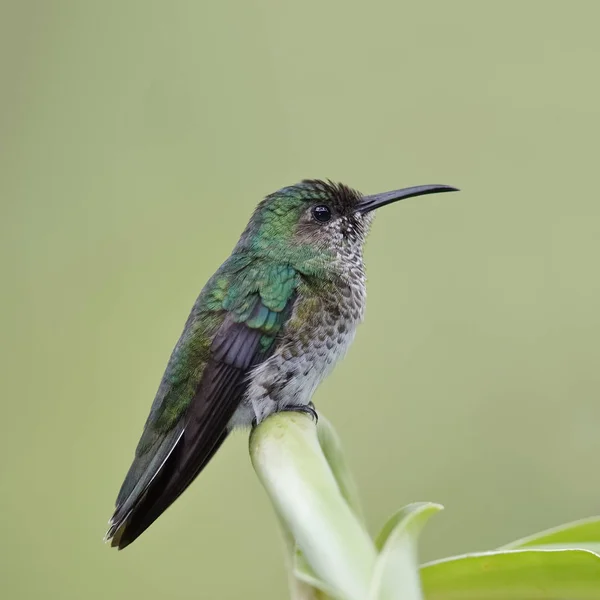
[[307, 353]]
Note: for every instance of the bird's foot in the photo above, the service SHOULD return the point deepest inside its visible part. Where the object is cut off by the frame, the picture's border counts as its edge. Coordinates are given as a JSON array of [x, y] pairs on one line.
[[308, 409]]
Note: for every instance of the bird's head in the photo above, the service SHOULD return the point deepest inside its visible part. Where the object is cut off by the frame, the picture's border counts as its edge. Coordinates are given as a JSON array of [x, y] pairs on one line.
[[319, 215]]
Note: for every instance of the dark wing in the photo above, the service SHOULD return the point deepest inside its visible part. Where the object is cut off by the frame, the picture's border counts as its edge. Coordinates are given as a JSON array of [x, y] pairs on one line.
[[168, 461]]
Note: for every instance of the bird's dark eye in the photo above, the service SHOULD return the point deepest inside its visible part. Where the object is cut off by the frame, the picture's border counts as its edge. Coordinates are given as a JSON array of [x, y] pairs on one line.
[[321, 213]]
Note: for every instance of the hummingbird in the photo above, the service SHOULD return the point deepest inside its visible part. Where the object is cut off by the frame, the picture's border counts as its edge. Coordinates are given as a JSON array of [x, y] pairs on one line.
[[266, 329]]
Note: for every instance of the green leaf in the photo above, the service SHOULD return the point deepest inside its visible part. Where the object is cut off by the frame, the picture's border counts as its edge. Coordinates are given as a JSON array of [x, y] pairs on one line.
[[527, 574], [304, 573], [289, 462], [301, 588], [412, 516], [584, 533], [331, 446], [332, 449], [396, 572]]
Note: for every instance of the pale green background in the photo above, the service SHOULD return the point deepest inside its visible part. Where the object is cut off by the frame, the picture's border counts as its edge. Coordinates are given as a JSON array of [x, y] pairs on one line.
[[135, 139]]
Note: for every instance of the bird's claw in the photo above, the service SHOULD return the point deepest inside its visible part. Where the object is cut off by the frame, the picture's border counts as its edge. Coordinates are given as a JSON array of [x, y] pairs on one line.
[[308, 409]]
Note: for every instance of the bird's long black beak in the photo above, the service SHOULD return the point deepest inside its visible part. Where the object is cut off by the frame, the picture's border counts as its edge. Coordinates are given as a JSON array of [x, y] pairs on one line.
[[369, 203]]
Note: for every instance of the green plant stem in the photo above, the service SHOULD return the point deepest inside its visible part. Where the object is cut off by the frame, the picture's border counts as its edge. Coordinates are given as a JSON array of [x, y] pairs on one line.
[[290, 463]]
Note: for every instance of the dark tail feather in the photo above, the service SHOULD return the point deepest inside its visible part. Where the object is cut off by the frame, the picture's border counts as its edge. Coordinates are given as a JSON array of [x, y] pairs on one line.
[[165, 489], [204, 429]]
